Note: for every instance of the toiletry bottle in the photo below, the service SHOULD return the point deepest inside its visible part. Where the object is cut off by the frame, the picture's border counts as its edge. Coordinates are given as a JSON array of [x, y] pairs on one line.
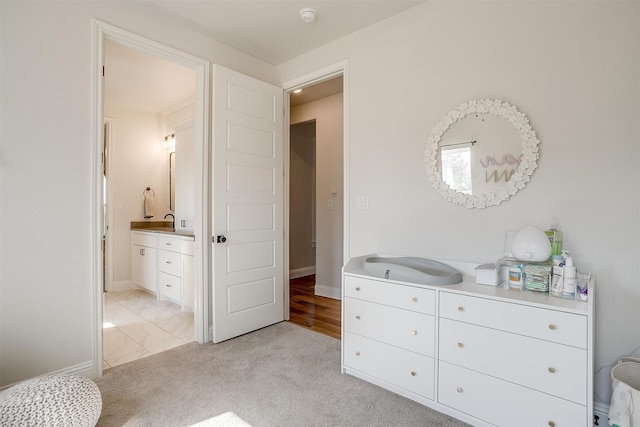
[[570, 279], [557, 275], [555, 237]]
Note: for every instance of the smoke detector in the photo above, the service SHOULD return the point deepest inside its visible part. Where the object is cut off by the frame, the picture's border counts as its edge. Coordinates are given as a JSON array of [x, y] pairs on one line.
[[308, 15]]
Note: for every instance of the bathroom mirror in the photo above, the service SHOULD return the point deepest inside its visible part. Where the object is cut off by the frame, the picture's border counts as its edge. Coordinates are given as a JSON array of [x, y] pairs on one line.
[[481, 153], [172, 181]]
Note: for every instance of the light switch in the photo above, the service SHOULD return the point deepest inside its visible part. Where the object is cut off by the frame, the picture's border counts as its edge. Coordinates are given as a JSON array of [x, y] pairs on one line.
[[362, 202], [120, 205]]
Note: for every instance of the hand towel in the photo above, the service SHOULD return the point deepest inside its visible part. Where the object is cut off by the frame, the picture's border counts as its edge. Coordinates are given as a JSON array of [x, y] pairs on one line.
[[148, 206]]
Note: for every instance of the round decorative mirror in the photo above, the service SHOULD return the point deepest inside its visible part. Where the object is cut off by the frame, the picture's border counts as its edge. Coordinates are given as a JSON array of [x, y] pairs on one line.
[[481, 153]]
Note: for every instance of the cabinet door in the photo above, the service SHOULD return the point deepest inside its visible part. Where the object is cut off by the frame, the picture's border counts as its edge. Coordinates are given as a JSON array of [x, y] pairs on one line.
[[143, 263]]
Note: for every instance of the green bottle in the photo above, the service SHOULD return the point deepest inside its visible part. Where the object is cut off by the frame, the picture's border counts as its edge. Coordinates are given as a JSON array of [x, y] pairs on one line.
[[555, 237]]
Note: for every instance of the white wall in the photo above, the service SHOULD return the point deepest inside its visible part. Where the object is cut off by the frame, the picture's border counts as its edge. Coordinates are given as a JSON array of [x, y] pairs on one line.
[[138, 160], [328, 113], [572, 67], [46, 306]]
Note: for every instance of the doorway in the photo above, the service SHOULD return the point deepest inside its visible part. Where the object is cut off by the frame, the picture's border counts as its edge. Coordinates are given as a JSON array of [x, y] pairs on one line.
[[144, 129], [316, 204]]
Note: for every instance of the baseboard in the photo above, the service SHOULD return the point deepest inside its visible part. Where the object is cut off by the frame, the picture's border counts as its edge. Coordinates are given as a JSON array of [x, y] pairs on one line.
[[83, 369], [328, 291], [301, 272], [601, 410]]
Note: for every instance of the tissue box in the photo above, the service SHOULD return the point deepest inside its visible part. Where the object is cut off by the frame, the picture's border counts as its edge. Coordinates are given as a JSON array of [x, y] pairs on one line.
[[487, 274]]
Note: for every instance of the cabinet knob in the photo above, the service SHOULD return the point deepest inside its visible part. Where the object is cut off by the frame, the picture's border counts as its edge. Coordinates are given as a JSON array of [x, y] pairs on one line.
[[414, 299], [551, 424], [414, 373], [460, 308], [552, 327], [414, 332], [357, 353], [358, 288], [357, 317], [459, 390], [552, 370], [460, 345]]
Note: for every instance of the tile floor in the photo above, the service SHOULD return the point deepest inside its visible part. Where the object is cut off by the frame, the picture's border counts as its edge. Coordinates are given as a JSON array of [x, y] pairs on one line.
[[136, 325]]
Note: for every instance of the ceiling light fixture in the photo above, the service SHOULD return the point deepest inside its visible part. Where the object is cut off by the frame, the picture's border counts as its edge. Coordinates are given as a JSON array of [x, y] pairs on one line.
[[308, 15], [297, 91]]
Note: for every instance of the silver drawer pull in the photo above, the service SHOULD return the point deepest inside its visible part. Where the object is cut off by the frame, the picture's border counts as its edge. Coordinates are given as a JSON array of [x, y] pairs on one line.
[[168, 285], [414, 373], [460, 345], [414, 332], [357, 353], [414, 299], [460, 308], [357, 288], [459, 390], [357, 317], [552, 370], [552, 327], [167, 262], [551, 424], [168, 243]]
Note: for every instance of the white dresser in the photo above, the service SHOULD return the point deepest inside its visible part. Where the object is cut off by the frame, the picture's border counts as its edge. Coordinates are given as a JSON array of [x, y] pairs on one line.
[[485, 355]]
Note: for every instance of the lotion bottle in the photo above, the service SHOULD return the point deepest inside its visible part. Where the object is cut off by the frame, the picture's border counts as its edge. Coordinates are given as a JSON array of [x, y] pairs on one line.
[[570, 279]]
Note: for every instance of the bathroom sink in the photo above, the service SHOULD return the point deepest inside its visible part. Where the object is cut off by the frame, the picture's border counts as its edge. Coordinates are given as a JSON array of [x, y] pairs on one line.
[[413, 270]]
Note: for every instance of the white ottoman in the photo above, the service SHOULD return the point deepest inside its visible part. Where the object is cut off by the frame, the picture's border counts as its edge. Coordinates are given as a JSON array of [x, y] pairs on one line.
[[51, 400]]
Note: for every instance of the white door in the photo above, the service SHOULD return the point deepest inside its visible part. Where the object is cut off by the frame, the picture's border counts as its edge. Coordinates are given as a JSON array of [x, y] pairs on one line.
[[248, 287]]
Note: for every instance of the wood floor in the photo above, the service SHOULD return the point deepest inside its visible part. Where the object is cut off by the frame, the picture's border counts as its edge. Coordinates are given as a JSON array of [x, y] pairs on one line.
[[320, 314]]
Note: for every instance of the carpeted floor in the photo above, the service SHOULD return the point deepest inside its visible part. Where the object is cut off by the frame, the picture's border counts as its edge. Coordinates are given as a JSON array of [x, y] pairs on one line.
[[283, 375]]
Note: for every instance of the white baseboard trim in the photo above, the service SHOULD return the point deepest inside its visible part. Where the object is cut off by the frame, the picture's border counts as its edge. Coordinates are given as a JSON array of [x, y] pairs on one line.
[[301, 272], [83, 369], [328, 291], [601, 410]]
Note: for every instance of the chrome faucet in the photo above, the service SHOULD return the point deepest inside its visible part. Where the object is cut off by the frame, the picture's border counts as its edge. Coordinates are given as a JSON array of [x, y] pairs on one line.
[[173, 221]]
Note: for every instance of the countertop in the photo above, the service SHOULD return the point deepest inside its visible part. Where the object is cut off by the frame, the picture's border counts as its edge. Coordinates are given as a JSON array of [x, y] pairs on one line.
[[164, 227]]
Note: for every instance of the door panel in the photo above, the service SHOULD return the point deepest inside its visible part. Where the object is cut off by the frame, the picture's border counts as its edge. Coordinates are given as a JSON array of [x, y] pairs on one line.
[[248, 287]]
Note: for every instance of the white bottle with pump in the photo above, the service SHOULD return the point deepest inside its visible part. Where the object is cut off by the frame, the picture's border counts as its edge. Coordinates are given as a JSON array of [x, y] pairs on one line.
[[570, 279]]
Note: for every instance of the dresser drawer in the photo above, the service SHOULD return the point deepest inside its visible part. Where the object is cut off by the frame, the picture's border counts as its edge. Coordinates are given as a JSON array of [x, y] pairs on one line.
[[169, 243], [148, 240], [401, 296], [169, 286], [545, 366], [170, 262], [402, 328], [546, 324], [503, 403], [404, 369]]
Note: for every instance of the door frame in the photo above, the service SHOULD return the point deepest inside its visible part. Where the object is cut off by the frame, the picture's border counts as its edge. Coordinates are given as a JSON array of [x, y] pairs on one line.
[[310, 79], [102, 31], [108, 272]]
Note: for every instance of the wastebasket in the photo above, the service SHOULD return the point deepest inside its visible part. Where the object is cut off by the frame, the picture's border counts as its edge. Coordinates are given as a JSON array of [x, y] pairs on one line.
[[624, 410]]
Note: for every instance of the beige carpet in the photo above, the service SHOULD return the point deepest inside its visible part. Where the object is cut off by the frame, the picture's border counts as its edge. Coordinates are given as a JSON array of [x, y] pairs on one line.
[[283, 375]]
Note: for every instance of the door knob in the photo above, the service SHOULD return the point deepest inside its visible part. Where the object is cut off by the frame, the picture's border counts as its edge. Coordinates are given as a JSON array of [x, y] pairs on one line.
[[221, 239]]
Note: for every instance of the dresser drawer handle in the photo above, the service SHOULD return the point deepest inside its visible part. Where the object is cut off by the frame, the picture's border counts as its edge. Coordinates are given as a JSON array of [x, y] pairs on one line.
[[357, 317], [460, 345], [552, 327], [552, 370], [414, 299], [460, 308], [168, 262], [168, 243], [414, 332], [357, 353], [414, 373], [551, 424], [357, 288], [168, 285], [459, 390]]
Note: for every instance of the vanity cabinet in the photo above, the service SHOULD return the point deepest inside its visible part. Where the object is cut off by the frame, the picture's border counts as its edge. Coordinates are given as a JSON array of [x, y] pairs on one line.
[[163, 264], [486, 355], [143, 259]]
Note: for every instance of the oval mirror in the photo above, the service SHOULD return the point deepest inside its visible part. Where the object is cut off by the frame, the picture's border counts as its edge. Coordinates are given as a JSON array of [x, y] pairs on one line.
[[481, 153]]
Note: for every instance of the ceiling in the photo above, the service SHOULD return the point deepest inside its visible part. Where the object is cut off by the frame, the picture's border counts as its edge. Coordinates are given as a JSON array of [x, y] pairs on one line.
[[272, 30], [268, 29]]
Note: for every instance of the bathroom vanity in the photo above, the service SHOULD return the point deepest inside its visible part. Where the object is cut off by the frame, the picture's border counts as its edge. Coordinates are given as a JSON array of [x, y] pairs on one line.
[[162, 263], [483, 354]]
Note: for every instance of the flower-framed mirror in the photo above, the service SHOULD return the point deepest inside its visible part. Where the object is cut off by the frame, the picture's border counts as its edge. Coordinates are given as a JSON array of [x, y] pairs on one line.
[[481, 153]]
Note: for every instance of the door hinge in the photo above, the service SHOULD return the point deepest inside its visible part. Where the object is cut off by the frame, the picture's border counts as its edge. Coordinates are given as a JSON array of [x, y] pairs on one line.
[[103, 71]]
